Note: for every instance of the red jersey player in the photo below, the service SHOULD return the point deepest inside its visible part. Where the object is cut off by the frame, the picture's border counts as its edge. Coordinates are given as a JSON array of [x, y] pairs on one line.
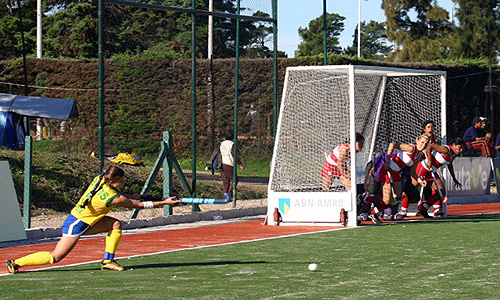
[[337, 164], [441, 156], [390, 178]]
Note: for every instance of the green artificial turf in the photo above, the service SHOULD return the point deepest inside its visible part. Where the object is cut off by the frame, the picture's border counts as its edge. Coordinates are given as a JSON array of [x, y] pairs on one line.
[[453, 258]]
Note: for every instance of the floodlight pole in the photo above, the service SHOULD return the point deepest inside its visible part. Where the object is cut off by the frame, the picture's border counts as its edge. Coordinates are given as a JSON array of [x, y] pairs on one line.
[[324, 33], [210, 29], [39, 122], [359, 28], [39, 28]]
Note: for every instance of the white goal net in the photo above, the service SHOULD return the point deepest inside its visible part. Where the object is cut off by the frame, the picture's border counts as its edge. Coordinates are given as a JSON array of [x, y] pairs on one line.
[[323, 107]]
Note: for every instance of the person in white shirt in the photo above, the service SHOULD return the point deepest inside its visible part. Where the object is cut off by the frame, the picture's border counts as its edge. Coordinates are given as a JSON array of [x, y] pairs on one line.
[[226, 172]]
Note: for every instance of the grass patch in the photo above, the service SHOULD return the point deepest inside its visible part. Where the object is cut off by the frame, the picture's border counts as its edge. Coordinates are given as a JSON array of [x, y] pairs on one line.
[[454, 258], [59, 179]]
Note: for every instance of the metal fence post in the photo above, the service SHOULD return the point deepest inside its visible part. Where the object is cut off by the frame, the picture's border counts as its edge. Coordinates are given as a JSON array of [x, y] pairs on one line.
[[28, 153], [167, 172]]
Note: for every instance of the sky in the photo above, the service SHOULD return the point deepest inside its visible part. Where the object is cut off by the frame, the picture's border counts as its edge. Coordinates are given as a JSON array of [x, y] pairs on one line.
[[293, 14]]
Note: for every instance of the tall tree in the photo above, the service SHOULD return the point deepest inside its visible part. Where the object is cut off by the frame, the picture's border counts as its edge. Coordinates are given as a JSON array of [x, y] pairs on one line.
[[476, 19], [261, 35], [70, 30], [420, 30], [10, 28], [373, 41], [312, 36]]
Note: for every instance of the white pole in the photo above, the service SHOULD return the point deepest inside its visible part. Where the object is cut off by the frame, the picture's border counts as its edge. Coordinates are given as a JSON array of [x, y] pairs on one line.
[[39, 28], [39, 122], [352, 125], [359, 28], [377, 117], [210, 29], [444, 137]]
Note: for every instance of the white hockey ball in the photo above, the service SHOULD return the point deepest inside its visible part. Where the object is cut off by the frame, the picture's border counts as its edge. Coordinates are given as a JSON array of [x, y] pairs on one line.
[[312, 267]]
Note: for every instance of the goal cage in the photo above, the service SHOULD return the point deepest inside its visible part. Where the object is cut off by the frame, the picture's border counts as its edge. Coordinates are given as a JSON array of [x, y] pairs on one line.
[[323, 107]]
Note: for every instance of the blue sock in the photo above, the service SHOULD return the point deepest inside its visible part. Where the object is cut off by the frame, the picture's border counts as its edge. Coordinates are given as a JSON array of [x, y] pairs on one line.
[[109, 256]]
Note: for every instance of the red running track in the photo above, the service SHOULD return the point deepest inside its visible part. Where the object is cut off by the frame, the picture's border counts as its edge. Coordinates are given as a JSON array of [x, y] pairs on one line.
[[92, 249]]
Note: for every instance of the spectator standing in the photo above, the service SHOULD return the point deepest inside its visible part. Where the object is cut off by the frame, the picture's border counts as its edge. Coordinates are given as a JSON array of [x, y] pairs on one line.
[[226, 172]]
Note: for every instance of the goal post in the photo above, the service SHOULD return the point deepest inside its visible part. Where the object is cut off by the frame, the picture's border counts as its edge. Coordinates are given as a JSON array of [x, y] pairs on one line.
[[323, 107]]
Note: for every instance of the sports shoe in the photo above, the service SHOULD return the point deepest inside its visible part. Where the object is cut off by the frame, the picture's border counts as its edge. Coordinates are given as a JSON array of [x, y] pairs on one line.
[[363, 217], [400, 215], [11, 266], [112, 265], [374, 218], [423, 212], [387, 214], [438, 213]]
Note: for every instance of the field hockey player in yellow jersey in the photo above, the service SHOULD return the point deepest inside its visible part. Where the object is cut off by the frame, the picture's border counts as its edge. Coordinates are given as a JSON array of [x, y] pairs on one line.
[[89, 217]]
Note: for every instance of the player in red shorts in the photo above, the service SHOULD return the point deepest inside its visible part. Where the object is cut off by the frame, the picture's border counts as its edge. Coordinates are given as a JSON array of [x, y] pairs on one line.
[[441, 156], [389, 173], [411, 194], [338, 163]]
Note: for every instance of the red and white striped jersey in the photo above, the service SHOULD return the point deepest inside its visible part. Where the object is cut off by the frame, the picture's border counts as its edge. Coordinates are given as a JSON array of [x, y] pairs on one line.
[[405, 159], [439, 159], [333, 158]]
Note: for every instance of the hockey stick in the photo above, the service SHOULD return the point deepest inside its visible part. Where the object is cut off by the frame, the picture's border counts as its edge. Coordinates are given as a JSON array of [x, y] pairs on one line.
[[205, 200], [191, 200], [443, 199], [392, 186], [421, 186]]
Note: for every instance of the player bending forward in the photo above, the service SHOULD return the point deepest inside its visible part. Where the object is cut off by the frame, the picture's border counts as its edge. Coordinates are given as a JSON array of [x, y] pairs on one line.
[[441, 156], [389, 173], [338, 163], [89, 217]]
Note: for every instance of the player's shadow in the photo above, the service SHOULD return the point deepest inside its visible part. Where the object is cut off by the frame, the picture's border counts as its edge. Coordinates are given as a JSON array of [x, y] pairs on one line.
[[215, 263], [147, 266]]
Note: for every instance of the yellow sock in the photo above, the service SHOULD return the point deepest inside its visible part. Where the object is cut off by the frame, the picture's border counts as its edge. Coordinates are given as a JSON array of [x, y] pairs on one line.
[[35, 259], [112, 240]]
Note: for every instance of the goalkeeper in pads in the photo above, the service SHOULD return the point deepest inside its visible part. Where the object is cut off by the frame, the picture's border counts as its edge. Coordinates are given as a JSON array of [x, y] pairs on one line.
[[89, 217], [338, 163]]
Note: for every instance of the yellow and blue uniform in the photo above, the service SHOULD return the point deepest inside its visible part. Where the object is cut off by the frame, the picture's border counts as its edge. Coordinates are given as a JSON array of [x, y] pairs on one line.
[[82, 218], [79, 220], [98, 206]]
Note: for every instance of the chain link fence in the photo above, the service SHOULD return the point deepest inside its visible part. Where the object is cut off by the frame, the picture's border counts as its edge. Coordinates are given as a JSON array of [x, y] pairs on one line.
[[148, 89]]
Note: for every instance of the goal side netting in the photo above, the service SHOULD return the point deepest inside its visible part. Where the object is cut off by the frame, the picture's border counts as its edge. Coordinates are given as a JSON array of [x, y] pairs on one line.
[[323, 107]]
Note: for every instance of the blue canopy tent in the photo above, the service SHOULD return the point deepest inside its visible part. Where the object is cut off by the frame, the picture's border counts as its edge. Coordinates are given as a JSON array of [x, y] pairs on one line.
[[13, 106]]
